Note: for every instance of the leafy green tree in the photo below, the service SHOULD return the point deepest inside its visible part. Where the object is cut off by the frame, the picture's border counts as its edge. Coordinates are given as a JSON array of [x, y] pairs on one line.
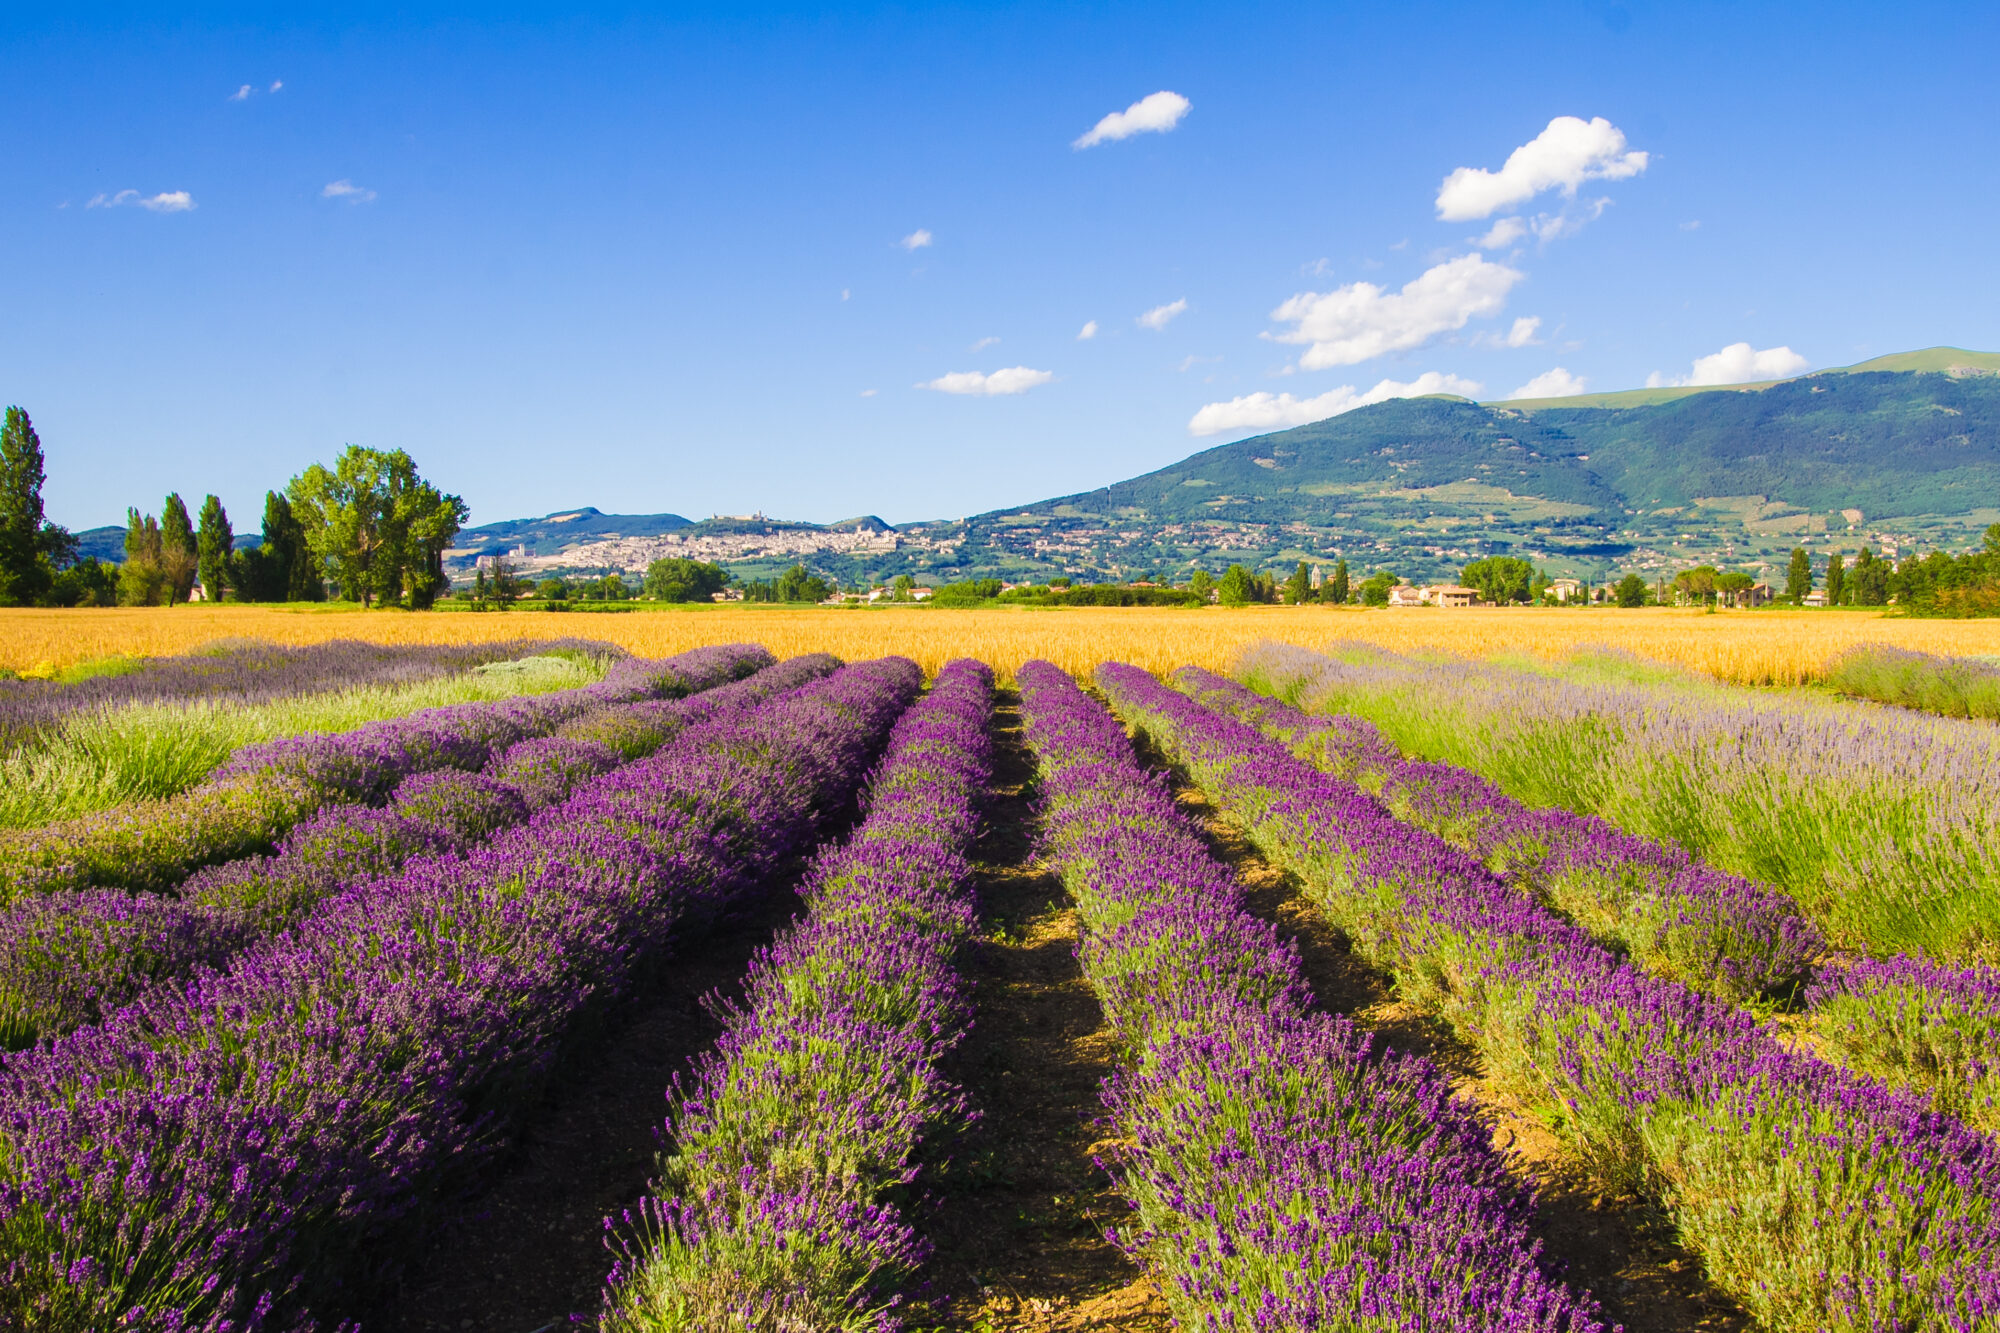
[[1299, 587], [214, 543], [88, 582], [1799, 577], [1336, 589], [1375, 588], [1201, 585], [1733, 586], [1499, 579], [679, 579], [178, 557], [26, 571], [1631, 591], [1697, 584], [552, 590], [141, 582], [1836, 581], [968, 592], [378, 526], [1870, 578], [904, 589], [1237, 588]]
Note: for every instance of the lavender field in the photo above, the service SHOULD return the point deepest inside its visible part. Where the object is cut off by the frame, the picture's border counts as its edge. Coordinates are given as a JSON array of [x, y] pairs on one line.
[[726, 992]]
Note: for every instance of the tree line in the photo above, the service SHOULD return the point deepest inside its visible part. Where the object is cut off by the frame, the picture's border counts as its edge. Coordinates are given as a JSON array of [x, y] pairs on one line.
[[369, 526]]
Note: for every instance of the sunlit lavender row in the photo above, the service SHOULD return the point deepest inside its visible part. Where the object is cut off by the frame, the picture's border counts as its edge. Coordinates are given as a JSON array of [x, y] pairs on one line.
[[1816, 1198], [255, 1149], [1284, 1173], [70, 956], [264, 790], [1883, 825], [787, 1146]]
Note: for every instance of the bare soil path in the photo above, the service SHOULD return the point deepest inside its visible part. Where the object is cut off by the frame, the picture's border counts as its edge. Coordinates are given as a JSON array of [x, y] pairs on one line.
[[529, 1249], [1619, 1248], [1020, 1209]]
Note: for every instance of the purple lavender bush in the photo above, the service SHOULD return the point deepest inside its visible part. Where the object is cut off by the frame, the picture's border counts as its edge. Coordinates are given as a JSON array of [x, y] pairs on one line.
[[787, 1143], [264, 789], [1911, 1021], [261, 1143], [1673, 916], [1283, 1171], [1817, 1198]]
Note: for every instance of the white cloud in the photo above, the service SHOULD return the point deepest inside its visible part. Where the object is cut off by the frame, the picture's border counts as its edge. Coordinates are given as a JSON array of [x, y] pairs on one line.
[[1502, 234], [1269, 411], [241, 94], [983, 344], [348, 190], [1691, 226], [1012, 380], [1087, 332], [1155, 114], [916, 240], [1160, 316], [276, 84], [868, 393], [1565, 155], [167, 201], [1523, 332], [1361, 321], [1738, 363], [845, 293], [1556, 383]]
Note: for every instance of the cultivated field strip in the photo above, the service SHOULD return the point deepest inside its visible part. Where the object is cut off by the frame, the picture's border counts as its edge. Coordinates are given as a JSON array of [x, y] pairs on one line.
[[70, 956], [1918, 1024], [1818, 1199], [1671, 914], [1883, 825], [261, 1144], [1284, 1173], [776, 1204], [264, 790]]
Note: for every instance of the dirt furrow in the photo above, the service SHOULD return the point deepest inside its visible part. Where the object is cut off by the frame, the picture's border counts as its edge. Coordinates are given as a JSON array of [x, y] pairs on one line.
[[1020, 1209]]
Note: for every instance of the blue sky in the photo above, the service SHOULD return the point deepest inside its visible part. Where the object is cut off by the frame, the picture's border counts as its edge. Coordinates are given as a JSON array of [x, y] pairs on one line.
[[656, 259]]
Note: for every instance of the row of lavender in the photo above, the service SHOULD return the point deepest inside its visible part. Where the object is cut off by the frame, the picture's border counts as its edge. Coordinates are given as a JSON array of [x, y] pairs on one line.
[[265, 790], [71, 956], [1884, 825], [253, 672], [801, 1125], [1284, 1173], [238, 1152], [1911, 1021], [1819, 1199]]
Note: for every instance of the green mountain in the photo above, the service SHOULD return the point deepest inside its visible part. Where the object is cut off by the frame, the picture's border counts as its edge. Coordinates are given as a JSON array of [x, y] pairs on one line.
[[1901, 453]]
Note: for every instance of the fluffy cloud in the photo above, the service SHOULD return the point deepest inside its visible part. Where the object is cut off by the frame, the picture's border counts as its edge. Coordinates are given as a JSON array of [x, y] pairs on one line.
[[1155, 115], [1738, 363], [1557, 383], [1502, 234], [241, 94], [1160, 316], [167, 201], [348, 190], [1565, 155], [1087, 332], [916, 240], [1014, 379], [1274, 411], [983, 344], [1523, 332], [1361, 321]]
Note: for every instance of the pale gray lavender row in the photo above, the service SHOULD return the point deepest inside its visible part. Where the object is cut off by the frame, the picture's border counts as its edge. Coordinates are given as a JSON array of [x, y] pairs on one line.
[[1285, 1172], [71, 956], [1817, 1198], [794, 1136], [265, 790], [262, 1143]]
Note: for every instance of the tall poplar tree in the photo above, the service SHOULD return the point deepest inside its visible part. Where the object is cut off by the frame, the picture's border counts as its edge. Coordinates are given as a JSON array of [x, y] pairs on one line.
[[1836, 581], [25, 572], [214, 543], [1337, 588], [1798, 579], [177, 551]]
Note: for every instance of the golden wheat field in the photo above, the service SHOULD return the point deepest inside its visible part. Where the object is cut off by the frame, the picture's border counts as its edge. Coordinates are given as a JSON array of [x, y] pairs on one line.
[[1749, 647]]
